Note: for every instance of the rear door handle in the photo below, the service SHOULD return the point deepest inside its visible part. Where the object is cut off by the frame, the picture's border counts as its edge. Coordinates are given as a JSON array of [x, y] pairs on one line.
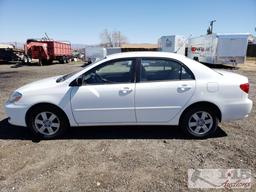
[[183, 88]]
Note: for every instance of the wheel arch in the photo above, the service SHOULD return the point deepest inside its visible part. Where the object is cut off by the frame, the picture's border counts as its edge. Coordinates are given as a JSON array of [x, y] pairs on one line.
[[207, 104], [30, 110]]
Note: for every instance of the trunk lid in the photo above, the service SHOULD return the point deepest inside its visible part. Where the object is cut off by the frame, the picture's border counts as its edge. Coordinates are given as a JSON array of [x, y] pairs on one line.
[[234, 77]]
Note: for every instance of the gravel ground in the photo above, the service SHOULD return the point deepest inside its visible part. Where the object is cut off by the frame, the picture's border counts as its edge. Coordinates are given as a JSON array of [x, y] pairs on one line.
[[144, 158]]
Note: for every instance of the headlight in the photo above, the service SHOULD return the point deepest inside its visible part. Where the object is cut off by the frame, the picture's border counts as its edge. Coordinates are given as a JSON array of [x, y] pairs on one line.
[[14, 97]]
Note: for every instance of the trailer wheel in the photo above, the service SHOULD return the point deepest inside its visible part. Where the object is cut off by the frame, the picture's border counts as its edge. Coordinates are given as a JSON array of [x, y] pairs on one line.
[[196, 59], [61, 60], [44, 61], [25, 59], [49, 61], [40, 62]]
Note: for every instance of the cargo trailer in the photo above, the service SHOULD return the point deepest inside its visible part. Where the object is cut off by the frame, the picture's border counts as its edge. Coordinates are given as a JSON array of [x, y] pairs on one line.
[[173, 44], [219, 48], [95, 53], [48, 50]]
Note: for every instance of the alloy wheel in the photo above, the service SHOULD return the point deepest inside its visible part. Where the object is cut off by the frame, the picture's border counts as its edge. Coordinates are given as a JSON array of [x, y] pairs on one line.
[[47, 123], [200, 123]]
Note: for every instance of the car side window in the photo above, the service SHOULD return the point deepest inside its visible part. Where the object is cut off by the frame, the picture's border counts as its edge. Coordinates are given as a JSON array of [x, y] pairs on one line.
[[118, 71], [163, 70]]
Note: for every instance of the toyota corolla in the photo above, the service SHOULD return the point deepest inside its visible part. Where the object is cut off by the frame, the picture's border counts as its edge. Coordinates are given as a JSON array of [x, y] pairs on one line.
[[139, 88]]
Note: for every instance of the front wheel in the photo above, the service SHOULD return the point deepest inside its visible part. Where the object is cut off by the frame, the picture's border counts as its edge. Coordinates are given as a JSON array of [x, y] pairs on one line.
[[199, 122], [47, 123]]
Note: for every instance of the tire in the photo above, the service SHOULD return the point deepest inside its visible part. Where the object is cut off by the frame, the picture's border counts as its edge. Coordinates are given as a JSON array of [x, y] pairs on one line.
[[25, 60], [49, 62], [47, 122], [40, 62], [199, 122], [45, 62], [62, 60], [196, 59], [66, 59]]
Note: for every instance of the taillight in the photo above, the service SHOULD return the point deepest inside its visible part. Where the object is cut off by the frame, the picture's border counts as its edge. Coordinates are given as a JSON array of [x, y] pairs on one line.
[[245, 87]]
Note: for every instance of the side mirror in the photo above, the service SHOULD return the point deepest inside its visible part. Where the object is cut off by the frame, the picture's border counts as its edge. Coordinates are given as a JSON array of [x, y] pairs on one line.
[[77, 82]]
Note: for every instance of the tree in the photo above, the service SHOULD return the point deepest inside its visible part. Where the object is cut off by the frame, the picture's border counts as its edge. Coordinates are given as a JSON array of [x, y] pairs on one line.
[[112, 39]]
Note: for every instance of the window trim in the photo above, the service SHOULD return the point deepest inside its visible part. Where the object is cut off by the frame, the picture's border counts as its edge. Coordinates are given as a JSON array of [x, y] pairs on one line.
[[133, 80], [138, 68]]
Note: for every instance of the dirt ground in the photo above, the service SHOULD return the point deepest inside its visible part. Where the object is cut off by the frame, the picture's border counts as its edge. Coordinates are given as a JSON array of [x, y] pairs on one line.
[[118, 159]]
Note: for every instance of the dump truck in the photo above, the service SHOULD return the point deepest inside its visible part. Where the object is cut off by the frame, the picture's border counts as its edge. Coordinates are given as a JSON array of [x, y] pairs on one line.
[[48, 50], [219, 48]]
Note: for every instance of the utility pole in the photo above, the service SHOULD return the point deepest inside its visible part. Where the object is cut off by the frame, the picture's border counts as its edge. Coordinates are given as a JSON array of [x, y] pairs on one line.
[[119, 38], [210, 29], [255, 42]]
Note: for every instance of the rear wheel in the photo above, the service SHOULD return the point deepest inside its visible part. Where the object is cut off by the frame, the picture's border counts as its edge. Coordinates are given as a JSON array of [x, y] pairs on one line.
[[62, 60], [199, 122], [40, 62], [47, 122]]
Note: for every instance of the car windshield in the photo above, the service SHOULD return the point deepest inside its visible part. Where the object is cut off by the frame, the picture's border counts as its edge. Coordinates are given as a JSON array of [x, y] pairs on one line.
[[67, 76]]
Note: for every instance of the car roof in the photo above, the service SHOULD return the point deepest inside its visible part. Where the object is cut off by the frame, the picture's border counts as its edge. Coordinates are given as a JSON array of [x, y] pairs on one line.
[[198, 69], [145, 54]]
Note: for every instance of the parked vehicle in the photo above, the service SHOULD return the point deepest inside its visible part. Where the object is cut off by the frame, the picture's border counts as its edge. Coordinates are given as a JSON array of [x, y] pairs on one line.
[[219, 49], [112, 50], [173, 44], [94, 53], [11, 55], [48, 50], [136, 88]]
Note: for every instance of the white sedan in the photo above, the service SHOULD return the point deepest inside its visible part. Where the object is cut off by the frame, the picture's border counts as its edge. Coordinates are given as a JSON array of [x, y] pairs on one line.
[[136, 88]]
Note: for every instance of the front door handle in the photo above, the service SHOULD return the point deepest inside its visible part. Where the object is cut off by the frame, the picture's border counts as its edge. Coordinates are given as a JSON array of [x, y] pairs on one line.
[[125, 90]]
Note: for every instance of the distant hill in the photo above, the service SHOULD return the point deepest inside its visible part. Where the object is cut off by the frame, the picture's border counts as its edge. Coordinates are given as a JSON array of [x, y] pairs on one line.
[[78, 46]]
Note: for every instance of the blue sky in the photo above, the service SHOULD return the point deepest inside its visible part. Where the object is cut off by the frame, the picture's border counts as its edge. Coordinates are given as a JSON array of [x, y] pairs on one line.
[[141, 21]]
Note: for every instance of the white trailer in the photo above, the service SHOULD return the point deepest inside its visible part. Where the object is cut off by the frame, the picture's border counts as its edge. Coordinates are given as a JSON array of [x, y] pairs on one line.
[[172, 43], [219, 49], [113, 50], [95, 53]]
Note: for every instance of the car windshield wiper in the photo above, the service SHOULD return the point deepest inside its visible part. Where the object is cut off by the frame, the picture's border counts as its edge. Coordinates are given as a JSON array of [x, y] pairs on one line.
[[60, 79], [65, 77]]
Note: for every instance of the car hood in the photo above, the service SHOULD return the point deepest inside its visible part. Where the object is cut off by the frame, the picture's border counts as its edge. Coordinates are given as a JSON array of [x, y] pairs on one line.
[[41, 84]]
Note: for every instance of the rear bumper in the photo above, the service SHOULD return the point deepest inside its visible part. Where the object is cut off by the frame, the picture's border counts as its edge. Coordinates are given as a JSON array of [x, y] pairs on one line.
[[236, 110], [16, 114]]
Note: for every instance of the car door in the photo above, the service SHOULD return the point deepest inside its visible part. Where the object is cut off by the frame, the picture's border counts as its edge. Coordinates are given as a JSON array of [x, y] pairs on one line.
[[106, 95], [164, 87]]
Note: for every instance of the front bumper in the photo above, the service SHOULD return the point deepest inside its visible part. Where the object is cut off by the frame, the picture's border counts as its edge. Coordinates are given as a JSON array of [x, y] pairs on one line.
[[16, 114], [236, 110]]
